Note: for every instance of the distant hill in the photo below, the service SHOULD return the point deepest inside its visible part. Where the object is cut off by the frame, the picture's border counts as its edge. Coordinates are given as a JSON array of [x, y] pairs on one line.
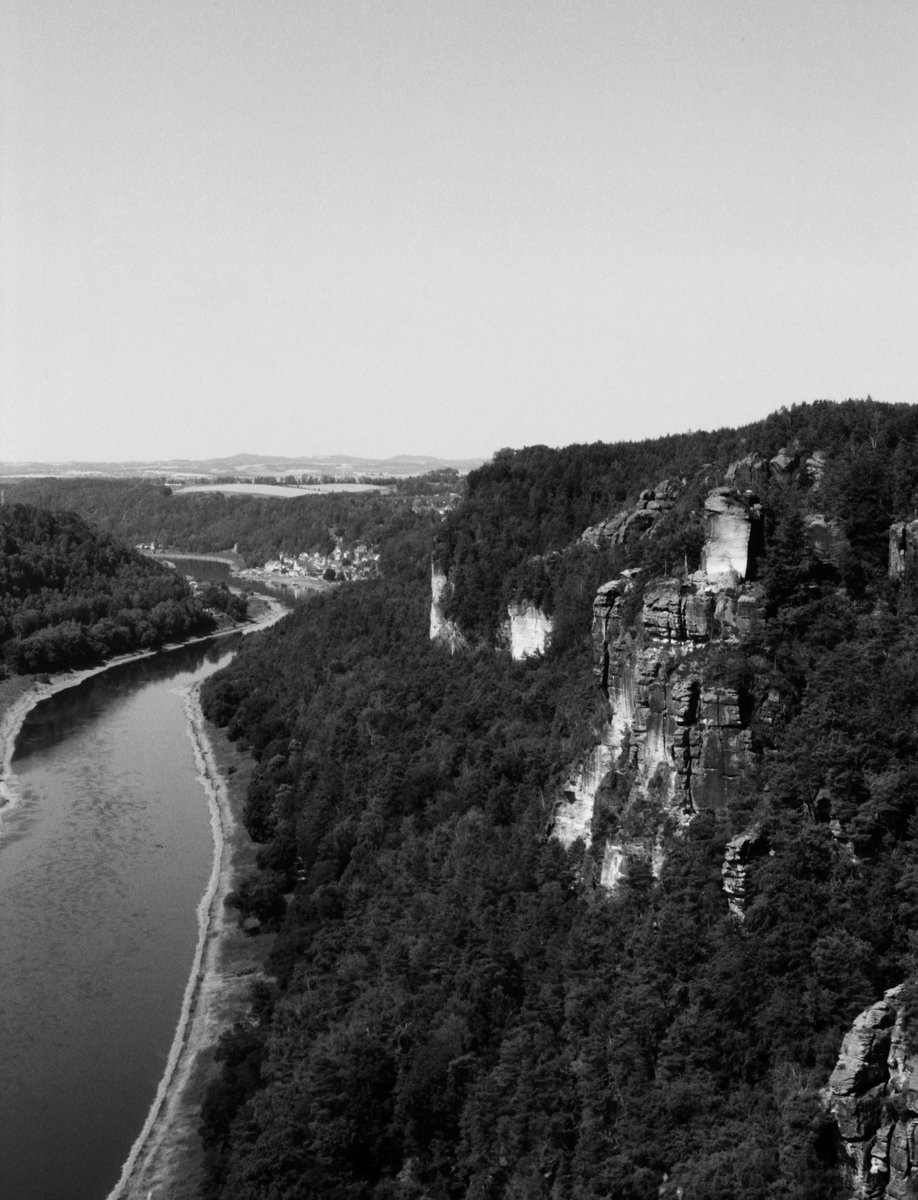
[[247, 466]]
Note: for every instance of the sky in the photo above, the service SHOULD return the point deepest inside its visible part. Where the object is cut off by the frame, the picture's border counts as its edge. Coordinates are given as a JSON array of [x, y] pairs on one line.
[[442, 227]]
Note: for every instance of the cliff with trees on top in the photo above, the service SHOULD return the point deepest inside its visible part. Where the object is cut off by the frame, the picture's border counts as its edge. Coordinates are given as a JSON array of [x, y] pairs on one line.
[[609, 916]]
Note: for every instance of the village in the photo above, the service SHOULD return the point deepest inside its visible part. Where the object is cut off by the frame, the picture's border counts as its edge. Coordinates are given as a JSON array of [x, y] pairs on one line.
[[343, 564]]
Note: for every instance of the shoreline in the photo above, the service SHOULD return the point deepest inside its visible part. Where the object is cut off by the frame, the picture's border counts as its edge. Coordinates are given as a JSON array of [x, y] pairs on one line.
[[166, 1159], [21, 693], [168, 1140]]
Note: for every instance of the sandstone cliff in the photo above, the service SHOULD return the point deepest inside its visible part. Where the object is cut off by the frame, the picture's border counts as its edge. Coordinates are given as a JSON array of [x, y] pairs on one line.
[[677, 739], [733, 534], [668, 653], [872, 1097], [903, 542], [442, 629], [528, 630]]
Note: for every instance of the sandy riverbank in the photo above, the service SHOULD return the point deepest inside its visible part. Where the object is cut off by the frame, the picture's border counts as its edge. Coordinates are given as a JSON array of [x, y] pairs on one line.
[[165, 1162], [166, 1159]]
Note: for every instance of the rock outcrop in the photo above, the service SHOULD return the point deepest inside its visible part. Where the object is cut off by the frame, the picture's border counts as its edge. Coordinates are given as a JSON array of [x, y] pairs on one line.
[[753, 472], [739, 852], [903, 541], [670, 723], [677, 739], [873, 1098], [748, 474], [732, 534], [442, 629], [782, 466], [528, 630], [815, 467], [633, 523]]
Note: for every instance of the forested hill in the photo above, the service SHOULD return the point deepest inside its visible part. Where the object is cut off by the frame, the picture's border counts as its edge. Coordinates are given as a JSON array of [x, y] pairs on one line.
[[70, 596], [464, 1001], [525, 506], [142, 511]]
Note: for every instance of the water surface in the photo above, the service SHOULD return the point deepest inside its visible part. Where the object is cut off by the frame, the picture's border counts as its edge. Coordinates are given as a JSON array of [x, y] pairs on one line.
[[102, 863]]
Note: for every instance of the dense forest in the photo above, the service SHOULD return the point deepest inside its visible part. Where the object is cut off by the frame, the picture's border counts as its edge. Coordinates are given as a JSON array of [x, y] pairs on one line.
[[70, 596], [526, 506], [454, 1008], [259, 527]]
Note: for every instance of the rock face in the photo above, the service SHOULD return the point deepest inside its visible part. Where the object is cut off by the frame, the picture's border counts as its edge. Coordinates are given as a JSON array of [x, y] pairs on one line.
[[677, 738], [633, 523], [782, 465], [442, 629], [873, 1098], [732, 532], [739, 852], [668, 724], [815, 467], [747, 474], [574, 815], [529, 629], [903, 540], [675, 741]]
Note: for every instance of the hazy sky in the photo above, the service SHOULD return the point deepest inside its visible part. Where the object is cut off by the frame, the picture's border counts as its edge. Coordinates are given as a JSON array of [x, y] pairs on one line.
[[436, 226]]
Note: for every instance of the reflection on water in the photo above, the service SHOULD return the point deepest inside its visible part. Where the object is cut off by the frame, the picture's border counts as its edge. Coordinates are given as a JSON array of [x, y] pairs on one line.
[[102, 864], [84, 702]]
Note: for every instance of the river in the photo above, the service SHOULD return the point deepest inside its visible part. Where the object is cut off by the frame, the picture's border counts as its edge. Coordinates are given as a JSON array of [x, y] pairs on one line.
[[103, 859]]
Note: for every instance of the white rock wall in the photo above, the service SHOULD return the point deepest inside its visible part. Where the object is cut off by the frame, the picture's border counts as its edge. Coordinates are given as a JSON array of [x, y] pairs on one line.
[[442, 629], [574, 812], [726, 536], [530, 629]]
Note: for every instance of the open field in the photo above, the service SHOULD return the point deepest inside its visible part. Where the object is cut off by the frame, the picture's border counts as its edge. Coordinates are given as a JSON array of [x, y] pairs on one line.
[[278, 490]]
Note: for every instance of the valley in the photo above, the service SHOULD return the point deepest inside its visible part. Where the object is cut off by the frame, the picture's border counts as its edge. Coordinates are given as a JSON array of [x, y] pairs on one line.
[[590, 812]]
